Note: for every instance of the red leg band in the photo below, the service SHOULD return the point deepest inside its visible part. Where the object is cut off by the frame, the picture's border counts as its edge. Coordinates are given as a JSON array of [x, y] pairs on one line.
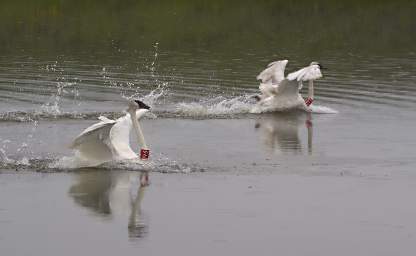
[[308, 101], [144, 154]]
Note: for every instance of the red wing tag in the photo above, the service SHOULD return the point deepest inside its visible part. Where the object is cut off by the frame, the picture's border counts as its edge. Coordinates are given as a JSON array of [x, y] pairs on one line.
[[144, 154]]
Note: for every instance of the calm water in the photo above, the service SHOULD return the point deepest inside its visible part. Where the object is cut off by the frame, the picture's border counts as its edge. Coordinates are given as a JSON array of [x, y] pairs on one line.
[[64, 63]]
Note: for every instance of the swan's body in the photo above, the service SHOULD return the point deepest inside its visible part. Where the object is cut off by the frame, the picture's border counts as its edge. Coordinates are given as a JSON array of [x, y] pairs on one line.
[[109, 139], [278, 92]]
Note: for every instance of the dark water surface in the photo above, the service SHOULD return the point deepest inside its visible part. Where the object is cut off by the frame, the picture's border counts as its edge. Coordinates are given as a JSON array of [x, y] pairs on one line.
[[64, 63]]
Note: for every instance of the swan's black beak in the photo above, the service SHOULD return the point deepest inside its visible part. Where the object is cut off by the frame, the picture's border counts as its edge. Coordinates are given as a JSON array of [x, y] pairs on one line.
[[141, 104], [321, 67]]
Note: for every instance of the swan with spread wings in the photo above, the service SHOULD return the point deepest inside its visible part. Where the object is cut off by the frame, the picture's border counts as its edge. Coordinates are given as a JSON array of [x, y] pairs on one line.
[[284, 92], [109, 139]]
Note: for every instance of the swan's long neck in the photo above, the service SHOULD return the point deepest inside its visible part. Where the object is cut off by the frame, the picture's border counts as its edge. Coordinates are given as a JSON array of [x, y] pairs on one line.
[[137, 129], [310, 89]]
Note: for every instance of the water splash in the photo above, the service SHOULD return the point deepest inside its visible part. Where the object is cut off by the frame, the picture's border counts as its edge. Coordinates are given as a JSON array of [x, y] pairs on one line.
[[23, 116], [7, 162], [225, 107], [155, 55], [160, 163], [322, 110], [151, 98], [23, 152], [158, 88], [52, 106], [217, 106]]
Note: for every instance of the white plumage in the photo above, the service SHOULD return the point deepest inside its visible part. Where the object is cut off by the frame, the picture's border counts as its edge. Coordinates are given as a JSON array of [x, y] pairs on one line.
[[274, 73], [311, 72], [278, 92], [109, 139]]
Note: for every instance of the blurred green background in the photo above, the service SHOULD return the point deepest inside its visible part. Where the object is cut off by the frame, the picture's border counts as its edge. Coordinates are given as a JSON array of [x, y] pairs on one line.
[[68, 26]]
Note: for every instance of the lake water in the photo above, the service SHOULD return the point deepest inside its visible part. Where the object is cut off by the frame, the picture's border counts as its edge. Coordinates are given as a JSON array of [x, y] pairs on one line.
[[337, 181]]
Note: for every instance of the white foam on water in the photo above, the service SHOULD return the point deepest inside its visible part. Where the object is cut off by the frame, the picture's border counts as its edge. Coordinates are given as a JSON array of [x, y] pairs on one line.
[[215, 107], [159, 164], [222, 106], [67, 162], [322, 110], [277, 106], [8, 162]]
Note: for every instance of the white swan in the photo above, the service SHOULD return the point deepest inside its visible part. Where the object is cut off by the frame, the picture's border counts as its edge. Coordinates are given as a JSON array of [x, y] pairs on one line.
[[271, 78], [109, 139], [278, 92]]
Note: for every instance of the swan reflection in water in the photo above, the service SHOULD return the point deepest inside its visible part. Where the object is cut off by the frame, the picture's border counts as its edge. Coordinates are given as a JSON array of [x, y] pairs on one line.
[[280, 132], [111, 193], [137, 225]]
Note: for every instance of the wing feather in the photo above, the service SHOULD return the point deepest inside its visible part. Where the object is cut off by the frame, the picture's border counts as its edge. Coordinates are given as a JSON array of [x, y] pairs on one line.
[[274, 73], [105, 119], [120, 138], [288, 88], [305, 74], [107, 139], [99, 131]]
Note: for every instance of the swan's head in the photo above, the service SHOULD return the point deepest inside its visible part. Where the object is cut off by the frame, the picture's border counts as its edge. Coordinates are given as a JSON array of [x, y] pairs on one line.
[[315, 63], [141, 104], [136, 105]]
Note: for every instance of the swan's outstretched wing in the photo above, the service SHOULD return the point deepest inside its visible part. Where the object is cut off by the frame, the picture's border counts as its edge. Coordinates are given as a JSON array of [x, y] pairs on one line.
[[105, 119], [312, 72], [93, 146], [289, 88], [98, 131], [107, 140], [274, 73], [120, 138]]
